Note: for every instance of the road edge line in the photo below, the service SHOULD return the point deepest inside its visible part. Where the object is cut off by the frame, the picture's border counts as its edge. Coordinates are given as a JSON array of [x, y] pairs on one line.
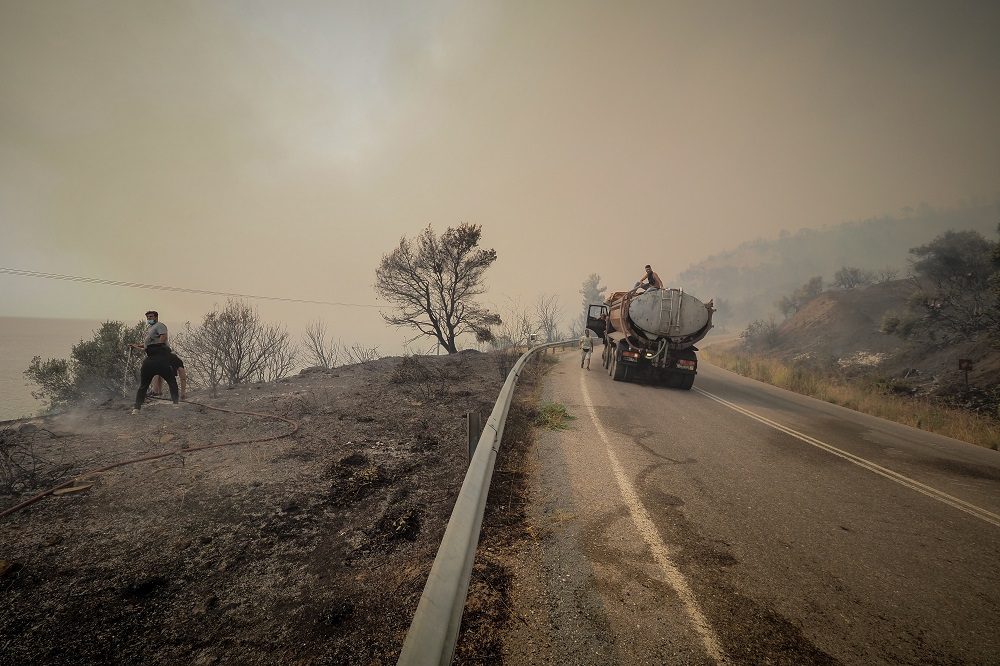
[[661, 553]]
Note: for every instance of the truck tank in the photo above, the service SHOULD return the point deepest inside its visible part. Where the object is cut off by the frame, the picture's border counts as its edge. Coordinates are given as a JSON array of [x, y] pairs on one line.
[[660, 314]]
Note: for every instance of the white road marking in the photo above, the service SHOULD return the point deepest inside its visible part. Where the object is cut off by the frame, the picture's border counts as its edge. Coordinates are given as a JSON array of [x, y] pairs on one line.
[[906, 481], [661, 554]]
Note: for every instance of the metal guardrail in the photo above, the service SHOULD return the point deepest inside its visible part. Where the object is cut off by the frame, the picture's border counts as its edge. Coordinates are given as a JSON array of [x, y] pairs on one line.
[[434, 629]]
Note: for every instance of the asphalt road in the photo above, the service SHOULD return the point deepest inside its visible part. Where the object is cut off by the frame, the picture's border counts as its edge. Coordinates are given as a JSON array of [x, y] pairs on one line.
[[740, 523]]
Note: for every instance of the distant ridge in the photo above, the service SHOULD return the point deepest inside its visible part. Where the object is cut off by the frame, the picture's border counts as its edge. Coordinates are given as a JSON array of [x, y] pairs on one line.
[[746, 281]]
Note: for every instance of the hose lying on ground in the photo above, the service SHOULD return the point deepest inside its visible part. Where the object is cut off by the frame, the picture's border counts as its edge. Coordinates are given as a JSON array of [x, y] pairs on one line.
[[157, 456]]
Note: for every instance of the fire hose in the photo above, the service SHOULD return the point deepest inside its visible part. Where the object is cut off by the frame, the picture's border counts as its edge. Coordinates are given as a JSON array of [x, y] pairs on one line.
[[156, 456]]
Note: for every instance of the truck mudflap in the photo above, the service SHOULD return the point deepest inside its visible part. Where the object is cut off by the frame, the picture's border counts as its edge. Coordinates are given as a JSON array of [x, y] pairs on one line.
[[685, 367], [677, 379]]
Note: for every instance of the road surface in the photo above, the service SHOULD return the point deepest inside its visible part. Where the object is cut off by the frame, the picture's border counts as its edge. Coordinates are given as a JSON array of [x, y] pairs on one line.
[[740, 523]]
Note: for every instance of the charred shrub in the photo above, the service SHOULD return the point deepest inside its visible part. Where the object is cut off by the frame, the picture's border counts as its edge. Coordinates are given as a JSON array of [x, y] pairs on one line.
[[337, 613], [401, 523], [505, 359], [433, 381], [410, 371], [355, 478], [23, 465]]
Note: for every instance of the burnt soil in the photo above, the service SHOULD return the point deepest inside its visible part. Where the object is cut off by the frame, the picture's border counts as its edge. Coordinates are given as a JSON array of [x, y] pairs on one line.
[[310, 549]]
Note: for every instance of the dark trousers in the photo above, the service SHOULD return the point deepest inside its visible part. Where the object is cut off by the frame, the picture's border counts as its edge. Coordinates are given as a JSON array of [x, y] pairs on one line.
[[158, 364]]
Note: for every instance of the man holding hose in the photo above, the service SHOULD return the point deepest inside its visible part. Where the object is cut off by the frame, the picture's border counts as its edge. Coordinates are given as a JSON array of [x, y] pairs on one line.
[[157, 362]]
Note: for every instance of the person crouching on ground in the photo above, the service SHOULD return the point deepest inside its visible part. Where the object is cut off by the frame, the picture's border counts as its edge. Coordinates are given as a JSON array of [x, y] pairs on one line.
[[587, 348], [156, 364], [177, 365]]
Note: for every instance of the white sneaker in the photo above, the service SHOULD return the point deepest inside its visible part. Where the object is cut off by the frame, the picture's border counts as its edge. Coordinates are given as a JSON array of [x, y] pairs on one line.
[[135, 411]]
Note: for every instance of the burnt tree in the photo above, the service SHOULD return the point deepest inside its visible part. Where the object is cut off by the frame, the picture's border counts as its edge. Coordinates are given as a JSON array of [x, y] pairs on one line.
[[433, 282]]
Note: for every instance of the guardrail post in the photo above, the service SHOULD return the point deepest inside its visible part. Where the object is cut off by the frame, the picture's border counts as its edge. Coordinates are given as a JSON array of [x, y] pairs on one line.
[[474, 429]]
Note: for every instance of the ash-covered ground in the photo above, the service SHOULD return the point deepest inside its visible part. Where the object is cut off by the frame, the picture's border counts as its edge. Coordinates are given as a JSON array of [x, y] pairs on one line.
[[311, 549]]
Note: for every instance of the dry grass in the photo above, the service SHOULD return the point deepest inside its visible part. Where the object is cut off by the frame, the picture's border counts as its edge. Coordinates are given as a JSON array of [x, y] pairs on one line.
[[865, 396]]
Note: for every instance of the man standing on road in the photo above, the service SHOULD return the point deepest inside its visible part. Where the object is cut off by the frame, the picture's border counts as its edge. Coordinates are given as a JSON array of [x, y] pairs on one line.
[[586, 347]]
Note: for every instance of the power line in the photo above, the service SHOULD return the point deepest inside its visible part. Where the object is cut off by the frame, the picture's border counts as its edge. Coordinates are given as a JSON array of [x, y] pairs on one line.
[[186, 290]]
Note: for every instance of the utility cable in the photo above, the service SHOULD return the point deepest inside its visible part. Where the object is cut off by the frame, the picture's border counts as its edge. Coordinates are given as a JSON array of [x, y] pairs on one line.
[[186, 290]]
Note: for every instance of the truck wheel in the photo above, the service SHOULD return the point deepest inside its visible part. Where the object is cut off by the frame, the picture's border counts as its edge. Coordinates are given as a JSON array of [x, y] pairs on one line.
[[619, 371], [687, 381]]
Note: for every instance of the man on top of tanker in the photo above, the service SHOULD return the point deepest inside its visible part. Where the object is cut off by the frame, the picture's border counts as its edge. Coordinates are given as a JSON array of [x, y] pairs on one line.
[[649, 280]]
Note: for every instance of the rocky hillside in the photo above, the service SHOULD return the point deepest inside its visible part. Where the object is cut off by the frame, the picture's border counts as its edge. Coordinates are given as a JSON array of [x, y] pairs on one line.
[[844, 323], [840, 328]]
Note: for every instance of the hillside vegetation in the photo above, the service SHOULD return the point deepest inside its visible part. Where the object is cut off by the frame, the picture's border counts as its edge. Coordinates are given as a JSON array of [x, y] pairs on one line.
[[836, 348], [748, 280], [924, 350]]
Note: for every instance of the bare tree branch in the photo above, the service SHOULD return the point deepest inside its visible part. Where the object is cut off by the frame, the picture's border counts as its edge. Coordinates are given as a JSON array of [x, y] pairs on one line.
[[547, 312], [358, 353], [234, 346], [318, 349]]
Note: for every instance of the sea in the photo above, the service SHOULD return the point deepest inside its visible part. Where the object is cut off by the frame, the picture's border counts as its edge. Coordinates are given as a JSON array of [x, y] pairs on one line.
[[22, 338]]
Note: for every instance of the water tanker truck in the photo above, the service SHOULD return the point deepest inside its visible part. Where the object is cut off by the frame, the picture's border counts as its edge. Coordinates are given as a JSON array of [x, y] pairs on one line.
[[651, 335]]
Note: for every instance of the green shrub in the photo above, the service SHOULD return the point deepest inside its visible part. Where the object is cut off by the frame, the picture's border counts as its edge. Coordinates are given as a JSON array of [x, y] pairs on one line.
[[553, 416], [100, 368]]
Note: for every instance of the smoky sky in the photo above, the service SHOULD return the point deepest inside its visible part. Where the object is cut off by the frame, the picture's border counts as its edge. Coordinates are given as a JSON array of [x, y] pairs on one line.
[[282, 148]]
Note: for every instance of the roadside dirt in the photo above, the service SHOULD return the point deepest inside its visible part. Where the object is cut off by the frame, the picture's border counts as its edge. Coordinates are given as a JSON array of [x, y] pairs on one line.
[[309, 550]]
